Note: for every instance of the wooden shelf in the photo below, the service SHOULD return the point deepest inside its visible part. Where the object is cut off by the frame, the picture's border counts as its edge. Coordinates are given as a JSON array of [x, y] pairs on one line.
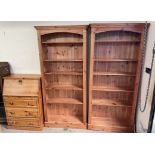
[[63, 73], [117, 41], [114, 73], [64, 60], [116, 60], [65, 87], [65, 121], [104, 88], [109, 124], [64, 101], [109, 102], [65, 118], [62, 42]]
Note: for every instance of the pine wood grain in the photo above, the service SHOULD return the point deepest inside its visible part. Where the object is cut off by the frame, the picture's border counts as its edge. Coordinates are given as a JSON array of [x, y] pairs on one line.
[[116, 51], [63, 63], [23, 102]]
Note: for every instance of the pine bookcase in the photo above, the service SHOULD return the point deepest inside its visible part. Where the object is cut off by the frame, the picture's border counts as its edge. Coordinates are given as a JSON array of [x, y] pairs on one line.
[[115, 66], [63, 68]]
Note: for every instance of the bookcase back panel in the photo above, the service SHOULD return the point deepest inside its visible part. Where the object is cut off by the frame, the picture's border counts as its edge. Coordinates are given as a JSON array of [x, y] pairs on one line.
[[61, 66], [125, 98], [61, 37], [62, 51], [72, 94], [75, 80], [117, 35], [64, 109], [125, 67], [116, 50], [123, 82], [121, 114]]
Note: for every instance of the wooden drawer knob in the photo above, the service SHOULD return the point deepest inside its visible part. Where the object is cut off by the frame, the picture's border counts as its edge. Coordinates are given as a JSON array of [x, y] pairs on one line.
[[30, 123], [12, 113], [20, 81], [12, 122], [28, 113], [11, 103], [30, 104]]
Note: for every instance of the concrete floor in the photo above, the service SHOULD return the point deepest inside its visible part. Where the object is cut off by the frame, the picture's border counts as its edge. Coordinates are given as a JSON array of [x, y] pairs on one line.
[[48, 130]]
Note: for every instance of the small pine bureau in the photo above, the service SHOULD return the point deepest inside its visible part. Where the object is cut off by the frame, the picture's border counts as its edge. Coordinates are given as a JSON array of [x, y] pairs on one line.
[[23, 102]]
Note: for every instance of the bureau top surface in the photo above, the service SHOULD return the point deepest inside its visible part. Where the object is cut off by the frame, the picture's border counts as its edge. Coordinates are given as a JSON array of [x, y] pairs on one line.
[[23, 76]]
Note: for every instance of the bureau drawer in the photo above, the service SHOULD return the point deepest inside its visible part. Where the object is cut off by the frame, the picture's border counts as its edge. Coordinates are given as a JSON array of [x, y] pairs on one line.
[[21, 112], [24, 122], [20, 102]]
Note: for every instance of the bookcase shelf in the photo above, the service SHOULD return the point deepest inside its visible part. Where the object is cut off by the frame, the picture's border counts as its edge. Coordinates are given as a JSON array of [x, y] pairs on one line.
[[116, 52], [109, 124], [64, 101], [116, 60], [62, 86], [113, 74], [105, 88], [117, 41], [63, 66], [109, 102], [62, 42], [64, 60], [63, 73], [60, 121]]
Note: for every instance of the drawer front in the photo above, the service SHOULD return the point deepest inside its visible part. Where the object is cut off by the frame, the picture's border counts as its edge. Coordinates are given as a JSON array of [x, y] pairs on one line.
[[23, 122], [21, 112], [20, 102], [21, 87]]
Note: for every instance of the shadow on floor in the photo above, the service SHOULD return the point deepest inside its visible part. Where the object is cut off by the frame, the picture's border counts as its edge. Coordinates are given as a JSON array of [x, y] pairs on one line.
[[49, 130]]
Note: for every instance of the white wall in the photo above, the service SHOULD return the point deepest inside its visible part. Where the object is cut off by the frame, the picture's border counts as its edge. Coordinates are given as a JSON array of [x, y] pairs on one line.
[[18, 46]]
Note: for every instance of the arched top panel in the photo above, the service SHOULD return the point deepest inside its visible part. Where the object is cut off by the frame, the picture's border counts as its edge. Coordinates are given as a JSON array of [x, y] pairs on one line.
[[117, 35], [138, 28], [61, 36]]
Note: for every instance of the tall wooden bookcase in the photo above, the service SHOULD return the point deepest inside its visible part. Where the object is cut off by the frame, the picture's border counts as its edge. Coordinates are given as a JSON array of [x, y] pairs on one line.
[[115, 66], [63, 67]]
